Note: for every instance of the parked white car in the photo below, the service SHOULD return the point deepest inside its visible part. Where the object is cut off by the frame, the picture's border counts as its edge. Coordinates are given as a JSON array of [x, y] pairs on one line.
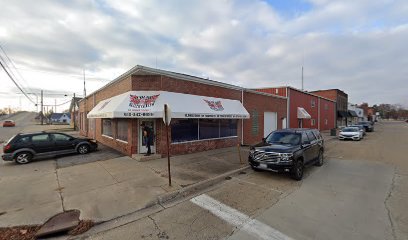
[[352, 133]]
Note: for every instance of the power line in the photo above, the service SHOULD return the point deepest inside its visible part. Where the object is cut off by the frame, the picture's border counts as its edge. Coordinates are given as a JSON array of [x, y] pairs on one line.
[[12, 63], [12, 79]]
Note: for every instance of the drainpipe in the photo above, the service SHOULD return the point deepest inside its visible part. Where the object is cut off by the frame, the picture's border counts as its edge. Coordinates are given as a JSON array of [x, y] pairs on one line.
[[318, 114], [242, 120], [287, 107], [94, 120]]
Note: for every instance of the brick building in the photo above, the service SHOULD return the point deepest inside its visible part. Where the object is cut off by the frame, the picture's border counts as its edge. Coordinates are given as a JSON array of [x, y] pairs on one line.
[[305, 109], [341, 99], [204, 126]]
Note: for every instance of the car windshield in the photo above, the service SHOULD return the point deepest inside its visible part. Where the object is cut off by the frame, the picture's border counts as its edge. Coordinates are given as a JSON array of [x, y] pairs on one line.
[[284, 138], [351, 129]]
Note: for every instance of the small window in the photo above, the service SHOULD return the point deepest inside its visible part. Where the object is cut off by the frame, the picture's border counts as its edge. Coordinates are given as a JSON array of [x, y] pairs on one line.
[[313, 103], [40, 138], [276, 91], [122, 130], [60, 137], [326, 122], [107, 127], [313, 122]]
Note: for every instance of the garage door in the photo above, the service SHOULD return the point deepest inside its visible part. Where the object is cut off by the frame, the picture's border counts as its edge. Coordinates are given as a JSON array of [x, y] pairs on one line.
[[270, 122]]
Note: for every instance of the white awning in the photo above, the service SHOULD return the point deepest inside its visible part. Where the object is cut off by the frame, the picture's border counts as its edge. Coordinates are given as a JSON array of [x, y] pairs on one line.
[[150, 104], [302, 113]]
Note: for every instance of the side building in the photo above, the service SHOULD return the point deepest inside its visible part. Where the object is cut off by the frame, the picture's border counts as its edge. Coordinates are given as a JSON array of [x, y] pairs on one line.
[[305, 109], [341, 99], [205, 114]]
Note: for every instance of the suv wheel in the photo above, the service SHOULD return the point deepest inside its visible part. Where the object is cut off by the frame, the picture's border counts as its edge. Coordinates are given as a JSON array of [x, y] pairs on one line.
[[320, 159], [23, 157], [83, 149], [297, 171]]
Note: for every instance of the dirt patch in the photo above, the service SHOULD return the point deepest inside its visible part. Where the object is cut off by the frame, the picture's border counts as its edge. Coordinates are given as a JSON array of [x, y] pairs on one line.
[[83, 226], [19, 233]]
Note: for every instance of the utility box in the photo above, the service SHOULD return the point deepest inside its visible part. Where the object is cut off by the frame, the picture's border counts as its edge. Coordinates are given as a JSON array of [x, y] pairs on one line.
[[333, 132]]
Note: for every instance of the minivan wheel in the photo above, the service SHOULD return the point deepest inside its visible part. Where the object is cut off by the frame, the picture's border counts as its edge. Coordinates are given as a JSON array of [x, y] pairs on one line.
[[297, 171], [83, 149], [23, 157], [320, 159]]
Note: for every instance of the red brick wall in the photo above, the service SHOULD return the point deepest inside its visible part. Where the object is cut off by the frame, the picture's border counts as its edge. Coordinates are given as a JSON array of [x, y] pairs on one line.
[[260, 104], [330, 94], [328, 113], [300, 99]]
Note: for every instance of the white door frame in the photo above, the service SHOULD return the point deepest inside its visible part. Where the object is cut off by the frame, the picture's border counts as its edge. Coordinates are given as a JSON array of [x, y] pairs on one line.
[[141, 148]]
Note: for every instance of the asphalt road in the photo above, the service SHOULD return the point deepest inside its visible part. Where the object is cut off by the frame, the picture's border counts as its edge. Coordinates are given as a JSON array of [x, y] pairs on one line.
[[360, 193]]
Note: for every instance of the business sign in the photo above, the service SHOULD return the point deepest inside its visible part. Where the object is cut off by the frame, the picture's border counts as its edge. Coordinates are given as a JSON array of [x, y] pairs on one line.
[[140, 102]]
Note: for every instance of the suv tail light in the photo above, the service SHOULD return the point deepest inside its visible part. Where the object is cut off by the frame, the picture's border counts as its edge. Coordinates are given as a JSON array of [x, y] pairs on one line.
[[6, 147]]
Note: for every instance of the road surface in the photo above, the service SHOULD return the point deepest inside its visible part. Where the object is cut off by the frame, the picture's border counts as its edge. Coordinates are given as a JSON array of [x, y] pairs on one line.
[[359, 193]]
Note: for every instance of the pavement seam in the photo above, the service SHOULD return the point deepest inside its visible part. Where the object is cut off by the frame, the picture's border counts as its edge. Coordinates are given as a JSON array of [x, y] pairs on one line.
[[109, 173], [59, 189], [392, 188], [266, 188]]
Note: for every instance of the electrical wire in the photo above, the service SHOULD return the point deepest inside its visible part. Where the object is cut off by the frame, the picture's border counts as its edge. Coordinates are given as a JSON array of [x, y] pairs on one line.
[[12, 79]]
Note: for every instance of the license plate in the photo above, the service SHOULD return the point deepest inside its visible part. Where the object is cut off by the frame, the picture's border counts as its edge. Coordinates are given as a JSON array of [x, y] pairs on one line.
[[263, 165]]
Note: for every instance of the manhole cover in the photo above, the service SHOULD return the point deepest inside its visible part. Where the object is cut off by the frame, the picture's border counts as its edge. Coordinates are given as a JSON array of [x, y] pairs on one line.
[[61, 222]]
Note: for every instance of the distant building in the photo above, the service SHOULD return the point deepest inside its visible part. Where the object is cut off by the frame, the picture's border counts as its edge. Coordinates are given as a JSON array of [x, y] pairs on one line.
[[341, 99], [305, 109], [356, 113], [60, 118]]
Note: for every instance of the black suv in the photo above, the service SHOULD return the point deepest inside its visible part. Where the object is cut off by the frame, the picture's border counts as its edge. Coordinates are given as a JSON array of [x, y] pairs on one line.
[[288, 150], [369, 127], [24, 147]]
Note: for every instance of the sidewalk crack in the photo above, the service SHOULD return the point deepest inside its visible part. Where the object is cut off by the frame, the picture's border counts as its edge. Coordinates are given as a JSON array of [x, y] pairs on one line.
[[59, 189], [160, 234], [389, 195]]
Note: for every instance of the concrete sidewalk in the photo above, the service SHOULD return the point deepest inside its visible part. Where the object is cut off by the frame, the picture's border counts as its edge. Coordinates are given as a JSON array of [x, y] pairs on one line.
[[105, 190]]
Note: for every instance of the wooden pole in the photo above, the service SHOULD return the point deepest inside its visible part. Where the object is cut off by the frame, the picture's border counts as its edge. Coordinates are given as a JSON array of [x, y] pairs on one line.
[[168, 142]]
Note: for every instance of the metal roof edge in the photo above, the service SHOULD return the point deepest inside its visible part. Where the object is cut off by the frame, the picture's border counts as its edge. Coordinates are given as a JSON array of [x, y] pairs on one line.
[[263, 93]]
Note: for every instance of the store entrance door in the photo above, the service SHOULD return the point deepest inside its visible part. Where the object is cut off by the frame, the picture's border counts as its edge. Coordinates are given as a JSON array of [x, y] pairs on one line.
[[142, 141]]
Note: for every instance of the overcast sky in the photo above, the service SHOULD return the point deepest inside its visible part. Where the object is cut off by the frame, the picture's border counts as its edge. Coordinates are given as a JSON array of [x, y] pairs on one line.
[[358, 46]]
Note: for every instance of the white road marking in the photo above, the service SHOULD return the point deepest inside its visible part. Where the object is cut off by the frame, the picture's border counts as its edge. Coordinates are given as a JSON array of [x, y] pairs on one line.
[[238, 219]]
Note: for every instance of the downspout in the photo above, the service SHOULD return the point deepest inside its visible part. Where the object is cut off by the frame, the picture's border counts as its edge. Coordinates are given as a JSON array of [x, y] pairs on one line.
[[318, 114], [242, 120], [287, 107], [94, 120]]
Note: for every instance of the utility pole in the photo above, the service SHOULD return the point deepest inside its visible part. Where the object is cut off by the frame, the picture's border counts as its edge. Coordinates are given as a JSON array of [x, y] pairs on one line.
[[84, 84], [55, 105], [42, 108], [74, 114]]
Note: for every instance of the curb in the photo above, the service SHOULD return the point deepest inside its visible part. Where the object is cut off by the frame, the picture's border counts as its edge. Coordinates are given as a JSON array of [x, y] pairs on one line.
[[157, 204], [196, 187]]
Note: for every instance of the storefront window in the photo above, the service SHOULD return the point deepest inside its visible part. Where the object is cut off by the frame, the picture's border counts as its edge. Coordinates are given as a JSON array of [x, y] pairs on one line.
[[122, 130], [107, 127], [228, 127], [209, 128], [184, 130]]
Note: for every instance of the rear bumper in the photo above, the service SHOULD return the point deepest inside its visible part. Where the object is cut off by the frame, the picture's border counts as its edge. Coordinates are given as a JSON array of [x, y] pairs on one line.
[[7, 157]]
